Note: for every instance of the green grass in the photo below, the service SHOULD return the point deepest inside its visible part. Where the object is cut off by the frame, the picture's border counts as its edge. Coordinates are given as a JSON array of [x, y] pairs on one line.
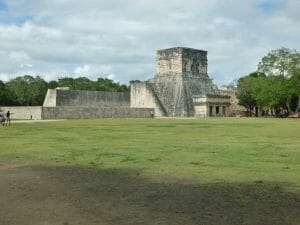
[[206, 150]]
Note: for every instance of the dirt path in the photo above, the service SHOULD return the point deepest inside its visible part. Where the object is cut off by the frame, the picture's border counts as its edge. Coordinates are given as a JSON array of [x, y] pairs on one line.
[[68, 196]]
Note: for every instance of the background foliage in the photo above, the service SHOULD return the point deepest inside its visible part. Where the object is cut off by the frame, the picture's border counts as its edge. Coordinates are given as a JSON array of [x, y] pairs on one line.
[[274, 89], [30, 91]]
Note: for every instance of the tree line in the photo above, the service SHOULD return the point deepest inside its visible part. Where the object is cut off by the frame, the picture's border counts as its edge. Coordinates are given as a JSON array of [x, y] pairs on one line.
[[274, 89], [30, 91]]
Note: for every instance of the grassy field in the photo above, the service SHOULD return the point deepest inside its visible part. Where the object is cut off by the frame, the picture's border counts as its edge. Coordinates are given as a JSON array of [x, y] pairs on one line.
[[151, 171], [200, 150]]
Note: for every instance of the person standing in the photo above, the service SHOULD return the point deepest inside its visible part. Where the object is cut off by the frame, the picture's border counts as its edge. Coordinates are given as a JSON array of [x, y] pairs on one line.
[[8, 118]]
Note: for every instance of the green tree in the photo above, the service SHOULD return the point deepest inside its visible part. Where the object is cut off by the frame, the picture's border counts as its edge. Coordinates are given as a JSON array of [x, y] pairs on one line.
[[269, 93], [105, 84], [3, 94], [83, 83], [66, 82], [26, 90], [285, 63], [52, 84], [29, 90], [294, 90], [245, 93], [38, 89], [18, 89], [281, 62]]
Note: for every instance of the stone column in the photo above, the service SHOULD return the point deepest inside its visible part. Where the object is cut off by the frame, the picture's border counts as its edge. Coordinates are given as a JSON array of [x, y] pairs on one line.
[[214, 110], [224, 110]]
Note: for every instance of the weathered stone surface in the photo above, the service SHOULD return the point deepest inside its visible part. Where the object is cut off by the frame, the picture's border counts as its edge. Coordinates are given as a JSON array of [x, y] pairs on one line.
[[59, 97], [24, 112], [75, 112], [183, 62], [66, 104], [181, 74], [71, 112], [234, 109]]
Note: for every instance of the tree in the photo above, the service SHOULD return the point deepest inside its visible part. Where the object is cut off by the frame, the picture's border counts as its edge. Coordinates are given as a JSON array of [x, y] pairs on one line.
[[18, 89], [26, 90], [294, 90], [282, 62], [245, 92], [264, 94], [38, 89], [52, 84], [3, 93], [269, 93], [105, 84], [83, 83], [66, 82]]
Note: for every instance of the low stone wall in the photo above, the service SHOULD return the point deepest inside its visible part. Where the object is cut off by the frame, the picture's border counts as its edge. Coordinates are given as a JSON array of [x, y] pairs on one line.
[[91, 113], [75, 98], [23, 112], [39, 112]]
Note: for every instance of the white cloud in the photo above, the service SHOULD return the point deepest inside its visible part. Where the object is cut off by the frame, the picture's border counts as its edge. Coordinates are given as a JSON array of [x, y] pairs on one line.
[[82, 69], [26, 65], [111, 76], [119, 38], [18, 56]]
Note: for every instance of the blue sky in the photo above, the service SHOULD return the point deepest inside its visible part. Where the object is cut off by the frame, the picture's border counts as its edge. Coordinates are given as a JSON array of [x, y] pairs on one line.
[[118, 39]]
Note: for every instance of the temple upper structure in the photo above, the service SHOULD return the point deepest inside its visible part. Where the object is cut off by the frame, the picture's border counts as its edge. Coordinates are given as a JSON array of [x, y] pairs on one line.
[[181, 86]]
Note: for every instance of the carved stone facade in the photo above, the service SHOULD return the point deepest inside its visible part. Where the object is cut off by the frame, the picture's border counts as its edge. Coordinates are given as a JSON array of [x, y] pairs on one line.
[[180, 80], [185, 62], [235, 109]]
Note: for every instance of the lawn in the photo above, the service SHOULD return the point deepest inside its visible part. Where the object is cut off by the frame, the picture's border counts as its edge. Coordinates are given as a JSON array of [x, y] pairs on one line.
[[151, 171], [206, 150]]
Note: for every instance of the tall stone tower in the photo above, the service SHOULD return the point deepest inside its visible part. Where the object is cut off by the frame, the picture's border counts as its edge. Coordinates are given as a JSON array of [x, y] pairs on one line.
[[184, 62], [181, 76]]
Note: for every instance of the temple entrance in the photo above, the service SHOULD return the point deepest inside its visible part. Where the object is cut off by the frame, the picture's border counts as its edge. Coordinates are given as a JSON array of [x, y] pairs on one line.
[[210, 110], [217, 110]]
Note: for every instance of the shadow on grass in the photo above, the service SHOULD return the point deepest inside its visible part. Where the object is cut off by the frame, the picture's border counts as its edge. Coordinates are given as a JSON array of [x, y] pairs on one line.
[[71, 195]]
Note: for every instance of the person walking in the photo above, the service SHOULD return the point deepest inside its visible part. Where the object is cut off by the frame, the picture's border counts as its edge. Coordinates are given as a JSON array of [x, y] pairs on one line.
[[7, 118]]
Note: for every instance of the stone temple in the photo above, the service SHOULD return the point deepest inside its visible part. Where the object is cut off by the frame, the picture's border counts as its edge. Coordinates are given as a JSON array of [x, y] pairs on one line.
[[181, 86]]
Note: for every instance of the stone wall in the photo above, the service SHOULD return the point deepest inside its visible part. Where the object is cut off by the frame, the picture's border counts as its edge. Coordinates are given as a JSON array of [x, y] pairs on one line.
[[39, 112], [86, 98], [142, 96], [235, 109], [24, 112], [62, 112]]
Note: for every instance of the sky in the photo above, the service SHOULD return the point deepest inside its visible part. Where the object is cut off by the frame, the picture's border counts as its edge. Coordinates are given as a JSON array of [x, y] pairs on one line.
[[118, 39]]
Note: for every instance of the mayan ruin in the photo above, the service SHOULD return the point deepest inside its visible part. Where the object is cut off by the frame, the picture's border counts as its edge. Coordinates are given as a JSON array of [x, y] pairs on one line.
[[181, 87]]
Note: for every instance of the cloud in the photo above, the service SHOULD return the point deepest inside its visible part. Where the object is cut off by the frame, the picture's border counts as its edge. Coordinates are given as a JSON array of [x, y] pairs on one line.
[[120, 38], [82, 69], [26, 65]]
